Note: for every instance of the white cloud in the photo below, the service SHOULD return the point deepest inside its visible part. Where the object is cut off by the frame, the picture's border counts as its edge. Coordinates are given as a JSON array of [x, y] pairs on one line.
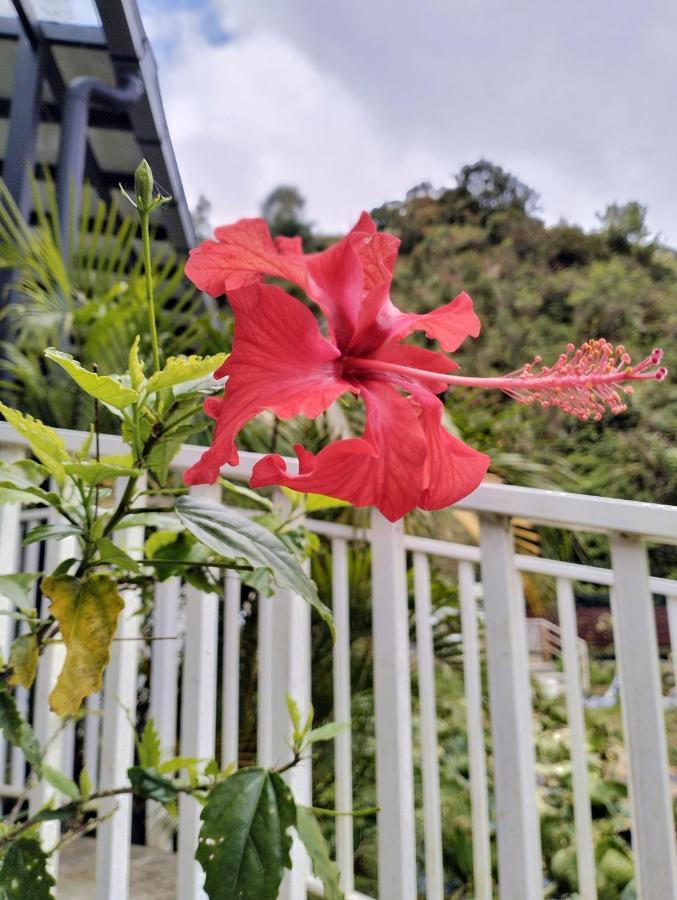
[[355, 102]]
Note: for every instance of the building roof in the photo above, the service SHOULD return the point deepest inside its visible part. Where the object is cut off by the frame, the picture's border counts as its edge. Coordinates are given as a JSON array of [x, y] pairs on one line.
[[104, 39]]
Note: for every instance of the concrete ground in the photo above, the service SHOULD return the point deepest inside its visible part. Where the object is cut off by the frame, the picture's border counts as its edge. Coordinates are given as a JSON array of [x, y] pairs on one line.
[[153, 873]]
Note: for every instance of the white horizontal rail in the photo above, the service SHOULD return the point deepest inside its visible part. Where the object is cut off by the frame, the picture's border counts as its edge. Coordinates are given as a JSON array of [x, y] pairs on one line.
[[651, 520]]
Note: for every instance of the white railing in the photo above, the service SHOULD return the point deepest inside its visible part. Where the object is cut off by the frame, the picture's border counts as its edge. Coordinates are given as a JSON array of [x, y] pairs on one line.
[[545, 641], [188, 623]]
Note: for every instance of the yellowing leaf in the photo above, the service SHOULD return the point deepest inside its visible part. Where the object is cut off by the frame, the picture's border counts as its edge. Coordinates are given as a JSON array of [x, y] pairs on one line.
[[136, 365], [43, 440], [179, 369], [87, 612], [23, 660], [103, 387]]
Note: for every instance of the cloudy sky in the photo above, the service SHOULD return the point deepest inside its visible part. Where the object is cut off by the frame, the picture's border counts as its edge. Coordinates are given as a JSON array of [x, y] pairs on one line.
[[358, 100]]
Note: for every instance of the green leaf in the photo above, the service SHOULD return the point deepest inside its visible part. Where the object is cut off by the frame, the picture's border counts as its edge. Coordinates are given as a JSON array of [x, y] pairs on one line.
[[24, 473], [179, 369], [85, 783], [150, 786], [111, 553], [27, 476], [87, 612], [23, 660], [176, 763], [241, 491], [294, 712], [102, 387], [326, 732], [136, 365], [61, 782], [23, 872], [244, 842], [16, 587], [50, 533], [324, 867], [314, 502], [148, 748], [98, 472], [160, 457], [17, 731], [234, 536], [43, 441]]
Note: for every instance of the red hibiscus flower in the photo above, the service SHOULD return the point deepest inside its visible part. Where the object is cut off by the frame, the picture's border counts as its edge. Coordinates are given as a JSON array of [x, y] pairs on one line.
[[282, 362]]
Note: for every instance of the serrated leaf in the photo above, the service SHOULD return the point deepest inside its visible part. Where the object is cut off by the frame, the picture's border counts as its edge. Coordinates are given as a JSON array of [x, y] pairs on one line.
[[244, 841], [23, 872], [114, 555], [150, 785], [23, 660], [324, 867], [17, 731], [148, 747], [234, 536], [136, 366], [61, 782], [51, 533], [16, 587], [43, 441], [102, 387], [179, 369], [98, 472], [87, 612]]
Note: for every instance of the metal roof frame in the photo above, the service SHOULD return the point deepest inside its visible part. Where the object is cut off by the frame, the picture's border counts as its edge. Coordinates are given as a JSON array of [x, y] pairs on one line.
[[122, 34]]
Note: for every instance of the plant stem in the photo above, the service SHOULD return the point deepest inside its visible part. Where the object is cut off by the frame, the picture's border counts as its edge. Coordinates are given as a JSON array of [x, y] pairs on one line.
[[147, 264]]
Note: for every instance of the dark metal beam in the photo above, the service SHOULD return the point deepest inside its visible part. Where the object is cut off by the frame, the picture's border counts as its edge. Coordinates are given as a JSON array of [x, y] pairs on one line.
[[81, 93], [129, 46], [103, 119], [23, 123], [59, 34]]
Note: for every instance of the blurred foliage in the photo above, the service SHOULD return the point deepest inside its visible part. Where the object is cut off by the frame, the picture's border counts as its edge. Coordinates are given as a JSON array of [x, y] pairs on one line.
[[90, 303]]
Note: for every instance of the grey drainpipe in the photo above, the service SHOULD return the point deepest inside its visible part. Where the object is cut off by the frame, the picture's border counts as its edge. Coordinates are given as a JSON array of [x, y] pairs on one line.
[[81, 92]]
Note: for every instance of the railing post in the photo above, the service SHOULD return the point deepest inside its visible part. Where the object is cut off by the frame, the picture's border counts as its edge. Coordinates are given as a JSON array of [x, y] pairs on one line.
[[517, 825], [425, 654], [392, 703], [672, 626], [343, 742], [10, 553], [113, 835], [198, 716], [47, 725], [232, 624], [472, 682], [634, 624], [585, 847], [164, 687], [284, 668]]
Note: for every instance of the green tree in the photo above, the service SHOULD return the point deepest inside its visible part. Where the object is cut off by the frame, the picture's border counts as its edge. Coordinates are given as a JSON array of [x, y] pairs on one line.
[[283, 210]]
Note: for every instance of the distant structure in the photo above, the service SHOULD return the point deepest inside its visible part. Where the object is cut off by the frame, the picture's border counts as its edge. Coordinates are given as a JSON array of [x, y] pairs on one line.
[[79, 97]]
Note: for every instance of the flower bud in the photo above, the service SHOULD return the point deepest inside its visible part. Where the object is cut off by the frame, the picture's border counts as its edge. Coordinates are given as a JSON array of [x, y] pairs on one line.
[[143, 185]]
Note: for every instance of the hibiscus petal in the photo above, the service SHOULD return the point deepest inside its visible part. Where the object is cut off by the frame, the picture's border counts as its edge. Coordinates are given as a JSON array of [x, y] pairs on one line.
[[453, 470], [241, 254], [450, 324], [280, 362], [383, 468]]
